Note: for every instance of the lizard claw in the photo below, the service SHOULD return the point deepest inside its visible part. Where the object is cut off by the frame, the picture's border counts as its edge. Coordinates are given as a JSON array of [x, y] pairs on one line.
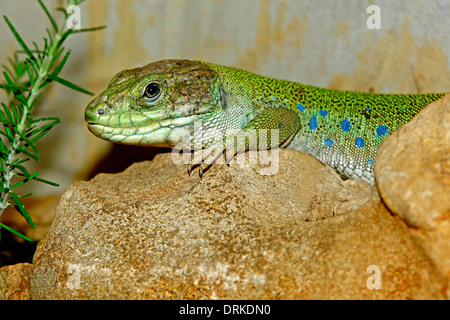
[[229, 157], [203, 159], [194, 164]]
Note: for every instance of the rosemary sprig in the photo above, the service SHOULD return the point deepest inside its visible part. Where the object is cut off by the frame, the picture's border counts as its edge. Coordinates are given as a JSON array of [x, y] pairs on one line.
[[24, 84]]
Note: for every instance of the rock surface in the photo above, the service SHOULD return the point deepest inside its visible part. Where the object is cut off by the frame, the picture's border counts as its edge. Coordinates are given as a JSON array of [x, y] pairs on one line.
[[14, 282], [152, 232], [413, 176]]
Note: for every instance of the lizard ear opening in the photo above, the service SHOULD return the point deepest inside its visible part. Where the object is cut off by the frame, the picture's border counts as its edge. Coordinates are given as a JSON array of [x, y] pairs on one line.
[[223, 100]]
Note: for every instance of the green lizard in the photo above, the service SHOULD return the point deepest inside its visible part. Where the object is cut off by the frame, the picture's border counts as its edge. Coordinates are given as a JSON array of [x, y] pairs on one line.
[[162, 102]]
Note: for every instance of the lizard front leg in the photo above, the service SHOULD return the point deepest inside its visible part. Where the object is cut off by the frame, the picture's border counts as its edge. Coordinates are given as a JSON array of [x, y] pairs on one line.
[[270, 128]]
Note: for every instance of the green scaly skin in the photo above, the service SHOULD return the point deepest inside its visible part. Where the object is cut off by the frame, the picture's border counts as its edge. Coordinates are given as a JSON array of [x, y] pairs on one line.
[[164, 102]]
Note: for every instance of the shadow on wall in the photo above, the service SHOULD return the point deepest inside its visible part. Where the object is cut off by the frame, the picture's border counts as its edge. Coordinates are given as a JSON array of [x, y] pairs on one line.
[[122, 156]]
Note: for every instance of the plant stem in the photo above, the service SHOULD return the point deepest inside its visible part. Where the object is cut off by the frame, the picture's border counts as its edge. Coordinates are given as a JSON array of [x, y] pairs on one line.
[[43, 71], [9, 173]]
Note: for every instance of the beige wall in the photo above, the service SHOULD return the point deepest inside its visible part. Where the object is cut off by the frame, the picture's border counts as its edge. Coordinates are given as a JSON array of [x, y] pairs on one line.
[[319, 42]]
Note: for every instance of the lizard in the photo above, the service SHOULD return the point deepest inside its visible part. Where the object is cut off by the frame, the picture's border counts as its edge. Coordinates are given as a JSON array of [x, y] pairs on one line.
[[164, 102]]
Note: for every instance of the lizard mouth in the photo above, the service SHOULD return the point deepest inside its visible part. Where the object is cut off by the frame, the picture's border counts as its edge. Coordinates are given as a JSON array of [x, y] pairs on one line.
[[161, 133]]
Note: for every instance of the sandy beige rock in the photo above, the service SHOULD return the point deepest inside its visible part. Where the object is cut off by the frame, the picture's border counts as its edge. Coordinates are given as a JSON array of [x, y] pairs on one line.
[[14, 282], [413, 176], [152, 232]]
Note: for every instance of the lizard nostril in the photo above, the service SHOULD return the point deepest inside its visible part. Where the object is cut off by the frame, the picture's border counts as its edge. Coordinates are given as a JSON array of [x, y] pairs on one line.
[[90, 116], [101, 111]]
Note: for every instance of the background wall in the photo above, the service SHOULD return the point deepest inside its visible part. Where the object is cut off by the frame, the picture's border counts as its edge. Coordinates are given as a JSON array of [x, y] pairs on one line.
[[319, 42]]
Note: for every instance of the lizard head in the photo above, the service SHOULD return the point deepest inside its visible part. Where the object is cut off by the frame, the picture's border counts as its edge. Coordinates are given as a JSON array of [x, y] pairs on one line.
[[155, 105]]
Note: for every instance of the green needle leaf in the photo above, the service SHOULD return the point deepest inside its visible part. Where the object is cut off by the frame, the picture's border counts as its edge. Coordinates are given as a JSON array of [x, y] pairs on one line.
[[64, 37], [7, 135], [14, 87], [89, 29], [52, 21], [61, 65], [31, 144], [22, 149], [46, 119], [21, 208], [8, 114], [19, 39], [17, 93], [42, 133], [21, 168], [69, 84], [46, 181], [23, 181], [15, 232]]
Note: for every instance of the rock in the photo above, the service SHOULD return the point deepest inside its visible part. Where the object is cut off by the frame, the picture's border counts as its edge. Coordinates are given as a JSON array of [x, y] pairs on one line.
[[413, 177], [14, 282], [153, 232]]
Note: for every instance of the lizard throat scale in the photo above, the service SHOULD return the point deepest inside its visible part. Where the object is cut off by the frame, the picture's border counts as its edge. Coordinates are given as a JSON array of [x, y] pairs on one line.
[[162, 103]]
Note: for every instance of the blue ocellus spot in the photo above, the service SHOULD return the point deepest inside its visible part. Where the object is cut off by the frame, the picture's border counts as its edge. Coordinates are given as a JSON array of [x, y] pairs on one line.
[[382, 130], [313, 123], [329, 142], [300, 107], [359, 142], [323, 113], [371, 161], [345, 125]]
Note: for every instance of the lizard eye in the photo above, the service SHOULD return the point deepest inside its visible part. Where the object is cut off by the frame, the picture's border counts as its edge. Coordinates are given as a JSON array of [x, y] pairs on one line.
[[152, 91]]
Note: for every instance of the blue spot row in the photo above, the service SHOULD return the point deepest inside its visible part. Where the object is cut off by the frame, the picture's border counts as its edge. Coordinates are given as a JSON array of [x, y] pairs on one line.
[[359, 142], [382, 130], [345, 125], [313, 123], [323, 113], [301, 108], [371, 161]]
